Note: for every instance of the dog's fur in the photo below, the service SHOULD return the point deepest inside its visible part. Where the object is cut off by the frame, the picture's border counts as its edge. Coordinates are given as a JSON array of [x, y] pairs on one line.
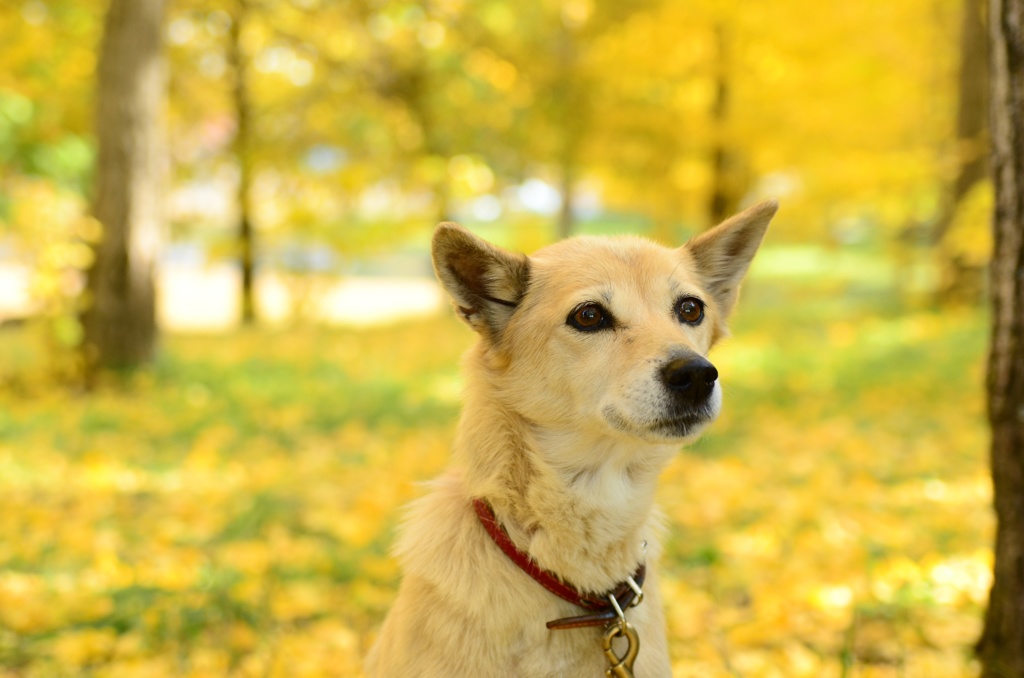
[[564, 433]]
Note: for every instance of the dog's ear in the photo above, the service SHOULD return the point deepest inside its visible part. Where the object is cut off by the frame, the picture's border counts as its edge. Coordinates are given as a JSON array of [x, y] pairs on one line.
[[485, 282], [723, 254]]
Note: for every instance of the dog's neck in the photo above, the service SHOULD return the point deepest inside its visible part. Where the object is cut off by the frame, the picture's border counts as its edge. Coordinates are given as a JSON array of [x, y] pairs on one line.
[[581, 505]]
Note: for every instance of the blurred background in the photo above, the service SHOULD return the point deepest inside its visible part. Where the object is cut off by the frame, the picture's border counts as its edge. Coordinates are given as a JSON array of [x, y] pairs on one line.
[[226, 507]]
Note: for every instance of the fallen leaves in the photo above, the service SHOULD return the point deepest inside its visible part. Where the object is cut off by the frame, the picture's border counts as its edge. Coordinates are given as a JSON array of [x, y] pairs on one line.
[[206, 520]]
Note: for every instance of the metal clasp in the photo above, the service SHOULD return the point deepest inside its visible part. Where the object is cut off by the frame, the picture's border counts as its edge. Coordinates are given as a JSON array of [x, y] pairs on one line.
[[621, 667], [637, 590]]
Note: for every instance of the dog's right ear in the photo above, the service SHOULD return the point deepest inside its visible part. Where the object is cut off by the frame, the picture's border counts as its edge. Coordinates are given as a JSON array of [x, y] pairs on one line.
[[485, 282]]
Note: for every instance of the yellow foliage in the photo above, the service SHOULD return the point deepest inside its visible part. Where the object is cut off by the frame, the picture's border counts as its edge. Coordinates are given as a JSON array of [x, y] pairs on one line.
[[970, 234], [76, 649], [25, 604], [829, 516]]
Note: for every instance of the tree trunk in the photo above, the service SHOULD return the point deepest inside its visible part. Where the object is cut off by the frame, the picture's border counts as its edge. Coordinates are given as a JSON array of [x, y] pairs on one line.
[[415, 88], [972, 147], [1001, 648], [723, 202], [119, 318], [972, 110], [243, 155], [572, 112]]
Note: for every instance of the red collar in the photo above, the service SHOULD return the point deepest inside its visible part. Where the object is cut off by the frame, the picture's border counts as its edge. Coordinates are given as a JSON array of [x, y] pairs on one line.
[[601, 609]]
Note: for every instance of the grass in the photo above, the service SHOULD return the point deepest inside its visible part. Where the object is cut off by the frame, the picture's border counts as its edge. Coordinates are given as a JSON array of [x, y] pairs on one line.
[[229, 511]]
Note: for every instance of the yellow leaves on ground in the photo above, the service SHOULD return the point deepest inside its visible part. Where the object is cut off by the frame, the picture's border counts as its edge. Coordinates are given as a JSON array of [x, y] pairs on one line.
[[845, 520], [834, 522], [145, 531]]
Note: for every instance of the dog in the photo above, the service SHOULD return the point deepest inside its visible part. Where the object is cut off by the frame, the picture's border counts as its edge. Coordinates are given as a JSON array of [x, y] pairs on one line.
[[589, 372]]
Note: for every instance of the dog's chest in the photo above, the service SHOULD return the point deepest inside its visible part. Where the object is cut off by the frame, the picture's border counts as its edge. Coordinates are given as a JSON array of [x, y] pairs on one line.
[[579, 652]]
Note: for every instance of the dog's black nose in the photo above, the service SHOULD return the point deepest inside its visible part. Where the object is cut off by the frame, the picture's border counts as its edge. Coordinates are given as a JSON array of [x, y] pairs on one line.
[[692, 377]]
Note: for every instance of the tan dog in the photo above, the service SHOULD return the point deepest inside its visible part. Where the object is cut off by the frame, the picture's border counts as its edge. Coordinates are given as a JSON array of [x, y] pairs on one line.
[[589, 373]]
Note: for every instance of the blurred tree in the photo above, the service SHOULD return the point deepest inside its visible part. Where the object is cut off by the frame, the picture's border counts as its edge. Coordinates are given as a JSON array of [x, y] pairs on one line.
[[1001, 648], [46, 89], [119, 319], [678, 83], [960, 275], [670, 111], [573, 106], [725, 194], [972, 157], [243, 155], [46, 159], [559, 86], [367, 118], [326, 132], [416, 72]]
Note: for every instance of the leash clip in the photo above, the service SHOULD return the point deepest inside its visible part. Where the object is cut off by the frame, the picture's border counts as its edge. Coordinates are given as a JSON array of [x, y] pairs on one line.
[[621, 667], [637, 590]]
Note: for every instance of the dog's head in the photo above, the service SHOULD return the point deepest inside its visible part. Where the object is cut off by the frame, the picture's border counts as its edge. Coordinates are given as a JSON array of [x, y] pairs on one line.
[[605, 334]]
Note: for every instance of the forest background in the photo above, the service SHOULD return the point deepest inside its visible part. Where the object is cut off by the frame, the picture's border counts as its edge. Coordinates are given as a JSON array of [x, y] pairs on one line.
[[228, 509]]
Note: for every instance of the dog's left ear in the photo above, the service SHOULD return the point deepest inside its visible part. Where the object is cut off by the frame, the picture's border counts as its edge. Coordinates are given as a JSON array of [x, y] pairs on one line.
[[485, 282], [723, 254]]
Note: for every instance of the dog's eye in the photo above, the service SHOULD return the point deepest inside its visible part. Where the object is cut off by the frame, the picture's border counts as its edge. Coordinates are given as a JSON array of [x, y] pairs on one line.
[[588, 317], [690, 310]]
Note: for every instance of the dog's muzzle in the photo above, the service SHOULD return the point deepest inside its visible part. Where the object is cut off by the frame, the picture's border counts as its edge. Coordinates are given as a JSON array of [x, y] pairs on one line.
[[688, 402], [691, 379]]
